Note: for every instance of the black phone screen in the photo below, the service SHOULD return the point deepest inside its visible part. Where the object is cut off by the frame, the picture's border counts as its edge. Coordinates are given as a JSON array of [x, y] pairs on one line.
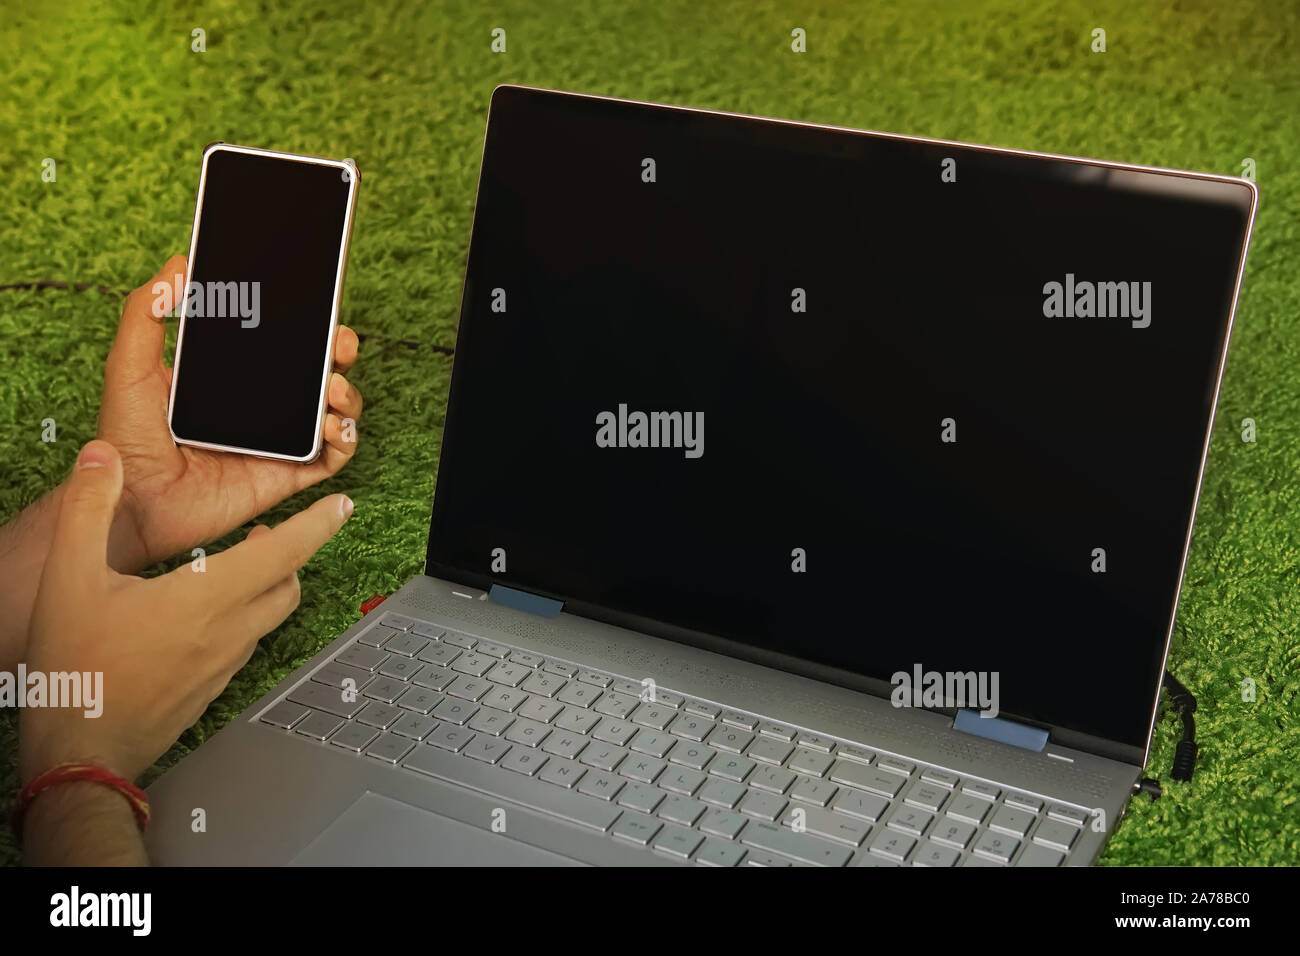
[[259, 306]]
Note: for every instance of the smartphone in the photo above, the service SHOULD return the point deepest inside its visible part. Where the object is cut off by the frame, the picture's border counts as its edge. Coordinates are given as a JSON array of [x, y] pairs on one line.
[[260, 304]]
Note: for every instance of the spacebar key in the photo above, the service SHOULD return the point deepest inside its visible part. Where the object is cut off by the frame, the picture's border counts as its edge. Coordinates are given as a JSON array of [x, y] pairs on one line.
[[485, 778], [798, 846]]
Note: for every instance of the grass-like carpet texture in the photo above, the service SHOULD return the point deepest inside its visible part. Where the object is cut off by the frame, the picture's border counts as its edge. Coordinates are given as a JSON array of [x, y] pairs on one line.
[[117, 97]]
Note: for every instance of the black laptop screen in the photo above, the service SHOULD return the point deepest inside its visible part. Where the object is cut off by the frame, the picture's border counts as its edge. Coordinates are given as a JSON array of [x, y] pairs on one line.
[[865, 402]]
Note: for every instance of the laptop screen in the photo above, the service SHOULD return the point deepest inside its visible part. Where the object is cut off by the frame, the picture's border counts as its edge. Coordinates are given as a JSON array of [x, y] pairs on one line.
[[877, 404]]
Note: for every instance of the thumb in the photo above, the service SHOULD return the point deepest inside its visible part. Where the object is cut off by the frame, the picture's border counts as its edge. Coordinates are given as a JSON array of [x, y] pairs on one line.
[[90, 497], [139, 343]]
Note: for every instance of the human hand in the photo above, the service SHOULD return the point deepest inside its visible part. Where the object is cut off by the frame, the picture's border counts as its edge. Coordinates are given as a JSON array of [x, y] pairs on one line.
[[176, 496], [167, 646]]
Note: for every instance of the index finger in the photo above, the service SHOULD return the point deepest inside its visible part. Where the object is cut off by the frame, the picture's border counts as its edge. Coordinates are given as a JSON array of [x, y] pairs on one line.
[[260, 562]]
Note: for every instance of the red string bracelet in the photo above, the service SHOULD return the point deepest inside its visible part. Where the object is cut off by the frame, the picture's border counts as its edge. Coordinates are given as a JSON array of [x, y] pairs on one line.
[[70, 773]]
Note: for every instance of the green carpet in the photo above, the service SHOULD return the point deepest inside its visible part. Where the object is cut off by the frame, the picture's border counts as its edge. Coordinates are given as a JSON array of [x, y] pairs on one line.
[[121, 103]]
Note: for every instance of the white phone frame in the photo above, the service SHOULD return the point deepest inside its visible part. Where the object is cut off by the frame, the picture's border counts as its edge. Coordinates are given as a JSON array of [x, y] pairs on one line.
[[328, 365]]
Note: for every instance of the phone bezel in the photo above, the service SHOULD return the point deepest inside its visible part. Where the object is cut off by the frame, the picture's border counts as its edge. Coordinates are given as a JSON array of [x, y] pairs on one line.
[[328, 364]]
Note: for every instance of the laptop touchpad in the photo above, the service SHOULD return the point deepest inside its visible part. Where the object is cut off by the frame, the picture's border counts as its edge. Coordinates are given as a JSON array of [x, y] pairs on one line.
[[379, 831]]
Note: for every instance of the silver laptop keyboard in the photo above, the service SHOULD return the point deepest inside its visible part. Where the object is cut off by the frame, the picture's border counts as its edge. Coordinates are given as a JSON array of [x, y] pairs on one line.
[[656, 769]]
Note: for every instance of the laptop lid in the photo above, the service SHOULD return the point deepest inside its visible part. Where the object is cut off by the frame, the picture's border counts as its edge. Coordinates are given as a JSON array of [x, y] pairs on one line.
[[851, 403]]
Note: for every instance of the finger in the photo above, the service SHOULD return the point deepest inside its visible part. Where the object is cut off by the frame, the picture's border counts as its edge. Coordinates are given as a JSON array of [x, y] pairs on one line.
[[267, 611], [258, 563], [258, 531], [79, 547], [137, 349], [344, 397], [339, 437], [346, 345]]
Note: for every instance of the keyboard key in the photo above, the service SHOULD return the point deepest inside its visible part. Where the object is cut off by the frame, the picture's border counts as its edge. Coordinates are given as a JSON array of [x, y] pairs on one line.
[[420, 700], [927, 796], [996, 846], [797, 846], [864, 806], [681, 809], [512, 675], [544, 685], [578, 695], [377, 635], [414, 726], [390, 748], [723, 823], [468, 688], [644, 769], [641, 796], [695, 756], [454, 711], [334, 674], [559, 668], [434, 678], [617, 732], [358, 655], [450, 737], [772, 779], [652, 743], [492, 650], [654, 716], [386, 689], [811, 790], [731, 768], [702, 709], [432, 631], [867, 778], [503, 699], [561, 743], [736, 719], [1067, 815], [601, 785], [399, 621], [575, 720], [486, 748], [527, 761], [968, 809], [677, 841], [491, 722], [668, 698], [764, 806], [719, 853], [910, 820], [285, 714], [829, 826], [540, 709], [776, 731], [457, 639], [1036, 855], [767, 750], [401, 668], [858, 754], [680, 780], [615, 705], [354, 737], [1055, 835], [318, 726], [408, 645], [380, 715], [329, 699], [894, 765], [637, 828], [475, 664], [1011, 821], [1022, 801], [814, 742], [562, 772], [978, 789], [731, 739], [602, 756], [591, 677], [527, 660], [952, 833], [893, 845], [530, 733], [941, 777], [721, 793], [692, 726], [932, 854], [440, 654], [756, 857], [811, 762]]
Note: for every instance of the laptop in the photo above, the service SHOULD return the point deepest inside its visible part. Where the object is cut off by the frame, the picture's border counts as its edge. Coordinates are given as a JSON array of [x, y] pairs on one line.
[[807, 496]]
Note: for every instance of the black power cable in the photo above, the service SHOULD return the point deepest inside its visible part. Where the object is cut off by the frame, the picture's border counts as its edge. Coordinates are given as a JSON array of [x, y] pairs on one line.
[[1184, 703]]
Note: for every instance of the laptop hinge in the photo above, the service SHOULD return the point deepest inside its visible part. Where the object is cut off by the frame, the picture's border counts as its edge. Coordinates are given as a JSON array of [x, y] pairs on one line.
[[1000, 729], [523, 601]]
